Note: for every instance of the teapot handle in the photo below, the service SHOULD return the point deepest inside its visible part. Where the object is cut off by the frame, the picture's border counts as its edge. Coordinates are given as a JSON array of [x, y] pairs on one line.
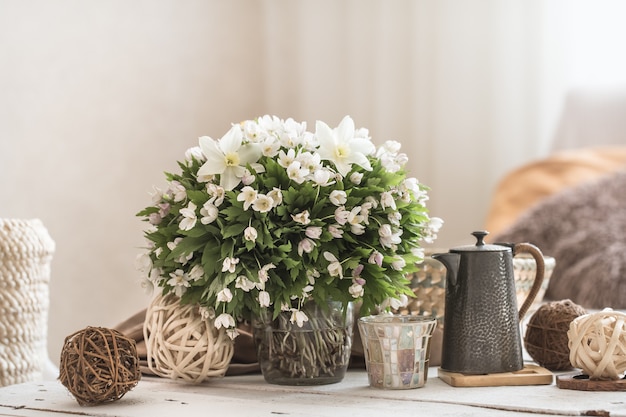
[[536, 253]]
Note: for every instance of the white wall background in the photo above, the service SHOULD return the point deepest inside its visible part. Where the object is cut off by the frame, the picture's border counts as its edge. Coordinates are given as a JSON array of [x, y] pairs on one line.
[[98, 98]]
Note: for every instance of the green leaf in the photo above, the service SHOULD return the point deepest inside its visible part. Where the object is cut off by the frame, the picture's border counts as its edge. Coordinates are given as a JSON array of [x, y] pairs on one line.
[[233, 230]]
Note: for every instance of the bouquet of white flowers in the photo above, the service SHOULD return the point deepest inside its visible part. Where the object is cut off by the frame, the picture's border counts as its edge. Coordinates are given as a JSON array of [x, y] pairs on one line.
[[271, 216]]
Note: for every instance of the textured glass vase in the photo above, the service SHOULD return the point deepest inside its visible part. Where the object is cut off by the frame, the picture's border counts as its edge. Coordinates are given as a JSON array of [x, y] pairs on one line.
[[397, 349], [316, 353]]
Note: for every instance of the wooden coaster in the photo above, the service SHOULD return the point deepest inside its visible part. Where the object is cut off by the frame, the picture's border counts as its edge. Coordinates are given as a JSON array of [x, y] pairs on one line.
[[530, 375], [582, 382]]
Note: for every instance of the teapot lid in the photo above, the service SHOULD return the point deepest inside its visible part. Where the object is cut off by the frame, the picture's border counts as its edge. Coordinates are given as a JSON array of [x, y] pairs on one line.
[[480, 245]]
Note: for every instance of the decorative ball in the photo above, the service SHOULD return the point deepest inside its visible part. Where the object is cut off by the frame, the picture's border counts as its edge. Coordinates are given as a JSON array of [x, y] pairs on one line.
[[99, 365], [182, 344], [546, 334], [597, 344]]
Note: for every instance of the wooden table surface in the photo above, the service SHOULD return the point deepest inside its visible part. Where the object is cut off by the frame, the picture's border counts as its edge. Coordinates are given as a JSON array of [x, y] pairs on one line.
[[250, 395]]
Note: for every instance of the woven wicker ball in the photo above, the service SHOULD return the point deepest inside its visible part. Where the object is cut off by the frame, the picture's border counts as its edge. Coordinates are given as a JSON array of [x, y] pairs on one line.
[[597, 344], [181, 344], [546, 338], [99, 365]]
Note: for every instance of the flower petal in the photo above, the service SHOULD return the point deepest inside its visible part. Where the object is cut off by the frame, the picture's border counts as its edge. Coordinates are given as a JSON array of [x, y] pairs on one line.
[[215, 160], [249, 153], [345, 130], [231, 141]]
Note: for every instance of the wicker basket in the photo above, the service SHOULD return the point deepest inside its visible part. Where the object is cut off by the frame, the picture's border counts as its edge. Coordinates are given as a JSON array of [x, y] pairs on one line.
[[26, 251], [429, 285], [181, 344]]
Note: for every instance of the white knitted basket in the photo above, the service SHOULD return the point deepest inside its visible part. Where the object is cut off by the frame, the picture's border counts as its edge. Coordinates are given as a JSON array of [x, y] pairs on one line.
[[26, 251]]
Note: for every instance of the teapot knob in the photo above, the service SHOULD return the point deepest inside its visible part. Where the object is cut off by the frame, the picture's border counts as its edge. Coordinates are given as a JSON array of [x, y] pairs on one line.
[[480, 236]]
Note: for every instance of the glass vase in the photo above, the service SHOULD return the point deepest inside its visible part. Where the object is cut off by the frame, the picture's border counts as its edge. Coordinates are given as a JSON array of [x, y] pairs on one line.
[[316, 353], [397, 349]]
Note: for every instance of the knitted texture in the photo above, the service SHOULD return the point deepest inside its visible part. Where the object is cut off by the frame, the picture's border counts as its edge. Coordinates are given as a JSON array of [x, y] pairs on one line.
[[26, 251], [584, 229]]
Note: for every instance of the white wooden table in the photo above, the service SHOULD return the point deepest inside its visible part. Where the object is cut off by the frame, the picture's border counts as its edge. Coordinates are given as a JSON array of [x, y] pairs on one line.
[[250, 395]]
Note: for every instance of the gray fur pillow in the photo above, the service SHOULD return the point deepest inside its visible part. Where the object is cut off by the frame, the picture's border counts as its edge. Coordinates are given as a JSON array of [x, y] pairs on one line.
[[584, 229]]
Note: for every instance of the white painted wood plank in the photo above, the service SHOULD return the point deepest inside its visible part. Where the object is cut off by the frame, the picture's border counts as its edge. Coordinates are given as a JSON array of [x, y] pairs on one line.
[[250, 396]]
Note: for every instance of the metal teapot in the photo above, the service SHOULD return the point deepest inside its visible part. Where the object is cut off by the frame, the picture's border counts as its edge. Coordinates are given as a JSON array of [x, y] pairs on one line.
[[481, 332]]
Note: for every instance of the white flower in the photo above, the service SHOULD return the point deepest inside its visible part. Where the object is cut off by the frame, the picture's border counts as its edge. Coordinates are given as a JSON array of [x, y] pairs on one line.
[[296, 173], [390, 146], [189, 217], [285, 159], [180, 281], [263, 203], [264, 299], [270, 147], [396, 303], [334, 267], [228, 157], [335, 230], [341, 147], [224, 320], [263, 272], [206, 313], [387, 200], [194, 153], [143, 263], [196, 273], [247, 178], [248, 195], [376, 258], [312, 275], [394, 218], [155, 218], [306, 291], [298, 317], [354, 220], [250, 234], [356, 290], [229, 264], [356, 177], [147, 284], [419, 252], [244, 283], [387, 237], [314, 232], [323, 177], [217, 194], [306, 245], [178, 191], [277, 196], [225, 296], [338, 197], [302, 218], [341, 215], [209, 213], [398, 263], [434, 224]]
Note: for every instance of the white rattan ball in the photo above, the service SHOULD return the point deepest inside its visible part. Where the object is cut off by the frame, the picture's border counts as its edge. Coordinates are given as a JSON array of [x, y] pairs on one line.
[[181, 344], [597, 344]]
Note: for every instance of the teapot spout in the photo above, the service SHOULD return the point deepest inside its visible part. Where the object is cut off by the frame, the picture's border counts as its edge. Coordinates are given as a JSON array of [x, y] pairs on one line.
[[451, 261]]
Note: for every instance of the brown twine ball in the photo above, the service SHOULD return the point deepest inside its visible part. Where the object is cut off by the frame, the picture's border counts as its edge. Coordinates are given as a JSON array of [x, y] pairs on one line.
[[546, 338], [99, 365]]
